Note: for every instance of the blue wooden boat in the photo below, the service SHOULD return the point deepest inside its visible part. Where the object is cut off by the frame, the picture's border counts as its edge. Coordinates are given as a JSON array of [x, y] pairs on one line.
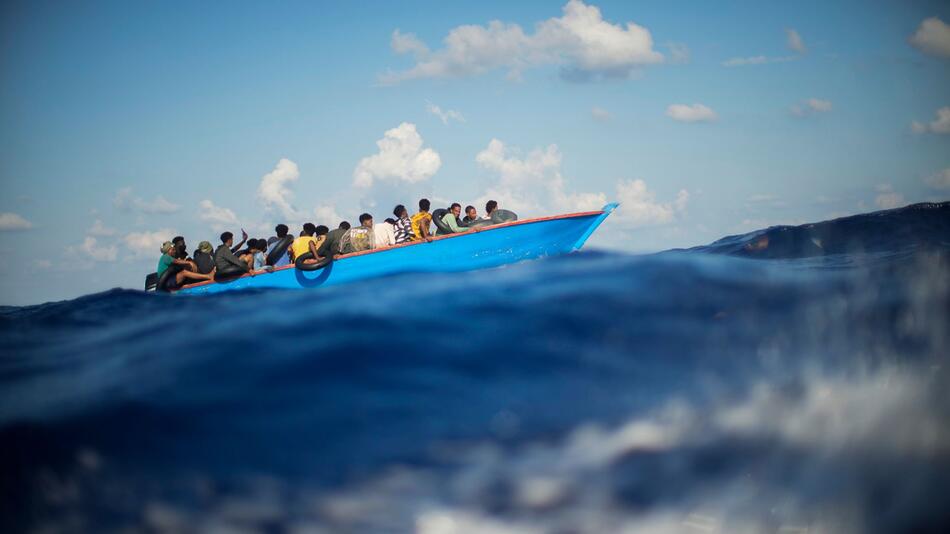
[[480, 248]]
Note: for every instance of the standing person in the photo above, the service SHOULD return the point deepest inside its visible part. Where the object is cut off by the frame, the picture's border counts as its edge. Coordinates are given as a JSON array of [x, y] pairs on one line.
[[225, 262], [305, 243], [281, 230], [451, 219], [186, 270], [385, 233], [331, 245], [422, 220], [470, 215], [403, 226]]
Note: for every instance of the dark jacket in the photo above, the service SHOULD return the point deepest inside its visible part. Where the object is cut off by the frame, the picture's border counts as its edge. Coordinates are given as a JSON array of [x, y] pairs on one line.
[[205, 262], [225, 260], [331, 245]]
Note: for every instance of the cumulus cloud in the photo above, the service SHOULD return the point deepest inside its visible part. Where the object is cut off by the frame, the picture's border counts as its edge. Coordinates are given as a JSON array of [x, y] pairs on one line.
[[219, 217], [600, 114], [125, 200], [91, 250], [638, 205], [756, 60], [811, 106], [580, 42], [932, 37], [444, 116], [693, 113], [146, 244], [532, 184], [940, 124], [939, 180], [12, 221], [401, 157], [100, 229], [274, 190], [794, 41], [887, 198]]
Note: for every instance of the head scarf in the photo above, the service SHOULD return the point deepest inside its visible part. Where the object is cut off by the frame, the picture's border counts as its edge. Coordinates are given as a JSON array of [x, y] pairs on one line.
[[205, 247]]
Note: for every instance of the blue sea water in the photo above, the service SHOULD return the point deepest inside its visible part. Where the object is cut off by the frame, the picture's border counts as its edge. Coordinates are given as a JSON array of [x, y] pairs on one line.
[[789, 380]]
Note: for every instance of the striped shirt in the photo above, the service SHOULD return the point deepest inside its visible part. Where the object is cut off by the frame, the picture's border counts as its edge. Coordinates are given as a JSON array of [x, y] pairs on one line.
[[404, 230]]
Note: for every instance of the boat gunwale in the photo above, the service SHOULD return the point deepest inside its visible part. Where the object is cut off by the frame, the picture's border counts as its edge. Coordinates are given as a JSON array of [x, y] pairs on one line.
[[409, 244]]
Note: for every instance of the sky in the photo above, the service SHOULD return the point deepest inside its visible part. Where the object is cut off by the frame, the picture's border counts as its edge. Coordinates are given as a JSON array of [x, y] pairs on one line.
[[123, 124]]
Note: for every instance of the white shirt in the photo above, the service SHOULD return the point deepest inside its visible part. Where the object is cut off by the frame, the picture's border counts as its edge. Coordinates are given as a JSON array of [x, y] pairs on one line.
[[385, 234]]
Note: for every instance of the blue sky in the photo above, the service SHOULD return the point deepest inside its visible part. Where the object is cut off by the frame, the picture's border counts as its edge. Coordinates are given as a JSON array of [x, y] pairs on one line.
[[126, 123]]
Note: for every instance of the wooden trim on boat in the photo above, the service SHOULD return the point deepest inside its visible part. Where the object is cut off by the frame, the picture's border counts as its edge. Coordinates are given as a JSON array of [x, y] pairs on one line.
[[417, 242]]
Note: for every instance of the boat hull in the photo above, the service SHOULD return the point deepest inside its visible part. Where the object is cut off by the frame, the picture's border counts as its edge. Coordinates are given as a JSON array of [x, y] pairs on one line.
[[492, 246]]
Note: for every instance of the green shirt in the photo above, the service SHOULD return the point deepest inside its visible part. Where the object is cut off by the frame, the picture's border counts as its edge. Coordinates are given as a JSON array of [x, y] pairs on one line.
[[449, 220], [164, 263]]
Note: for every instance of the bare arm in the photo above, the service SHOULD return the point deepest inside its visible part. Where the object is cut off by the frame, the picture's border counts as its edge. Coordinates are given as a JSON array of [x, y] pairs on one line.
[[237, 247]]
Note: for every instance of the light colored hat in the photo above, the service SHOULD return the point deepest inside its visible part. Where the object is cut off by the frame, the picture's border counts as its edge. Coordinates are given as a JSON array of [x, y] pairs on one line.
[[205, 247], [167, 245]]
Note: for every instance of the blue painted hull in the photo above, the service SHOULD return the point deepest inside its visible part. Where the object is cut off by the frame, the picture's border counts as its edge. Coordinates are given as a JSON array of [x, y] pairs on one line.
[[487, 247]]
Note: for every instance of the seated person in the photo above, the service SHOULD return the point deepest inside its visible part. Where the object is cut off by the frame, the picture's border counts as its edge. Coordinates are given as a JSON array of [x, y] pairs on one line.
[[385, 233], [497, 215], [451, 219], [403, 225], [422, 221], [225, 262], [470, 215], [185, 271], [181, 249], [204, 259], [256, 248], [331, 245], [305, 243], [360, 238], [282, 232]]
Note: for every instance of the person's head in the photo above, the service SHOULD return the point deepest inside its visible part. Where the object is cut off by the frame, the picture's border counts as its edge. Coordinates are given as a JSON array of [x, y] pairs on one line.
[[424, 204], [167, 247], [252, 245], [344, 225], [281, 230], [321, 230], [366, 220], [400, 211], [178, 240], [309, 229], [470, 212], [390, 220], [490, 206], [456, 208], [205, 247], [227, 238]]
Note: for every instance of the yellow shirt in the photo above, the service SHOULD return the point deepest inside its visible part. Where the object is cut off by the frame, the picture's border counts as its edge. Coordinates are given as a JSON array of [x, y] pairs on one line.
[[422, 218], [302, 245]]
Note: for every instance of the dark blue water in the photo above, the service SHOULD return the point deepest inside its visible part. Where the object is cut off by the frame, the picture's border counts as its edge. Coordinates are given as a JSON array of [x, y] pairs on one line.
[[788, 380]]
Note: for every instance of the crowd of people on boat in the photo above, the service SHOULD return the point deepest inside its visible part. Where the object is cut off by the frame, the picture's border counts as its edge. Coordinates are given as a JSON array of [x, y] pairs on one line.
[[315, 245]]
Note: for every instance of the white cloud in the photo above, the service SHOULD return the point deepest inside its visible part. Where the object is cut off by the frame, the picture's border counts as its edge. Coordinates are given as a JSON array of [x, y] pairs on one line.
[[811, 106], [444, 116], [400, 157], [887, 198], [274, 190], [125, 200], [932, 37], [12, 221], [756, 60], [147, 244], [794, 41], [939, 180], [327, 214], [100, 229], [219, 217], [600, 114], [91, 250], [580, 41], [679, 52], [940, 124], [693, 113], [638, 205], [532, 184]]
